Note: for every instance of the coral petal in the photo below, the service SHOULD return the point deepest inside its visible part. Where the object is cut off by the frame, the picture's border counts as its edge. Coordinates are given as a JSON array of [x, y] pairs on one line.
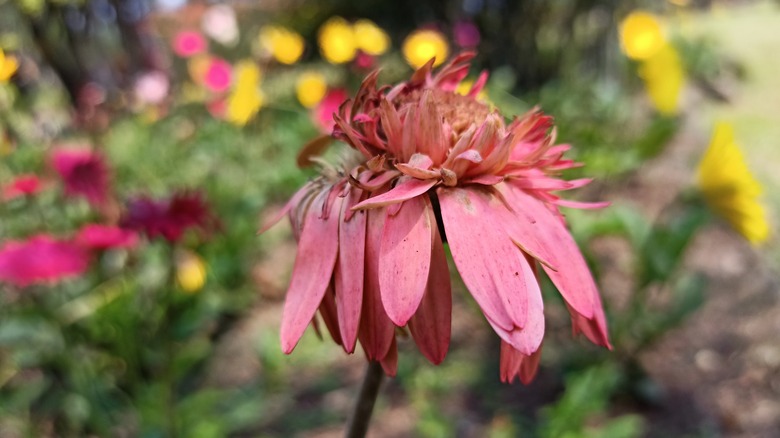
[[349, 272], [405, 190], [329, 315], [405, 259], [390, 361], [430, 325], [317, 252], [573, 279], [376, 330], [516, 364], [491, 266]]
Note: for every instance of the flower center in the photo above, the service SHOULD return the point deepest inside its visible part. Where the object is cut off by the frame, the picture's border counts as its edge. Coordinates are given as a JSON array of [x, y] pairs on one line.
[[457, 110]]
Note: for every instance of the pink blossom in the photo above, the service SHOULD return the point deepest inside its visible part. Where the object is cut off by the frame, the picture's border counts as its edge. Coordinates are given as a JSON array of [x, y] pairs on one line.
[[188, 43], [328, 106], [84, 173], [466, 34], [27, 184], [218, 75], [430, 166], [41, 259], [152, 87], [100, 237], [169, 217]]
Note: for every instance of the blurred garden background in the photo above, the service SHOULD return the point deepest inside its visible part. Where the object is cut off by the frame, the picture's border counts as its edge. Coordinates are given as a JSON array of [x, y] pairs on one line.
[[142, 142]]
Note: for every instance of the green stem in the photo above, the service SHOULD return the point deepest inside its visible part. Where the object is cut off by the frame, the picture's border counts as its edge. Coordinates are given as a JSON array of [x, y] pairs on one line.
[[364, 405]]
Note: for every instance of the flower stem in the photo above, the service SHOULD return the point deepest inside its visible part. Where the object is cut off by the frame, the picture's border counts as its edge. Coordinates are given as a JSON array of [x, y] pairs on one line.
[[364, 405]]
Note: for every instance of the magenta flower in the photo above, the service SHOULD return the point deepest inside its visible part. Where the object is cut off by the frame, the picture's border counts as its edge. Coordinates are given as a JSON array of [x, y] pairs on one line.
[[218, 75], [100, 237], [170, 217], [22, 185], [327, 108], [188, 43], [41, 259], [370, 254], [466, 34], [84, 173]]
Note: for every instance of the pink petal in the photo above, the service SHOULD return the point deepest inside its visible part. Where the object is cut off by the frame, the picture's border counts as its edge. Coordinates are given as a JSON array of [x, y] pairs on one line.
[[595, 329], [528, 339], [349, 271], [430, 137], [317, 252], [485, 180], [479, 84], [573, 278], [376, 330], [430, 325], [491, 266], [404, 191], [405, 259], [390, 361], [516, 364], [330, 315]]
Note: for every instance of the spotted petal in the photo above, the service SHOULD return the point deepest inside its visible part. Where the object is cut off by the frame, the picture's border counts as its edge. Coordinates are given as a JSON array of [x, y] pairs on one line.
[[405, 259]]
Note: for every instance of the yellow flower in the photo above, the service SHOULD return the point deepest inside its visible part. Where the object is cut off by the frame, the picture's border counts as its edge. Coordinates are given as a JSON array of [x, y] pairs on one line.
[[310, 89], [190, 271], [370, 38], [246, 98], [729, 188], [465, 86], [285, 45], [422, 45], [664, 78], [641, 35], [336, 39], [8, 66]]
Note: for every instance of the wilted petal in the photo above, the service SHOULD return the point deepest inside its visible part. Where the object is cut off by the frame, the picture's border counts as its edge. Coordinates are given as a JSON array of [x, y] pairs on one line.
[[430, 325], [376, 330], [404, 191], [317, 252], [349, 272], [489, 263], [430, 138], [405, 259]]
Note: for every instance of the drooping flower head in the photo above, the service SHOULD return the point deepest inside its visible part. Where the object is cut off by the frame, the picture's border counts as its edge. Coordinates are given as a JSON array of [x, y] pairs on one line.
[[730, 188], [41, 259], [84, 173], [169, 217], [370, 253]]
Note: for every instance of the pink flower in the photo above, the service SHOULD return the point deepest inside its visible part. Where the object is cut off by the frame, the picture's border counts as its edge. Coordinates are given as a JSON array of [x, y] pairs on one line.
[[364, 61], [327, 108], [41, 259], [466, 34], [188, 43], [22, 185], [151, 87], [84, 173], [170, 217], [100, 237], [218, 75], [370, 252]]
